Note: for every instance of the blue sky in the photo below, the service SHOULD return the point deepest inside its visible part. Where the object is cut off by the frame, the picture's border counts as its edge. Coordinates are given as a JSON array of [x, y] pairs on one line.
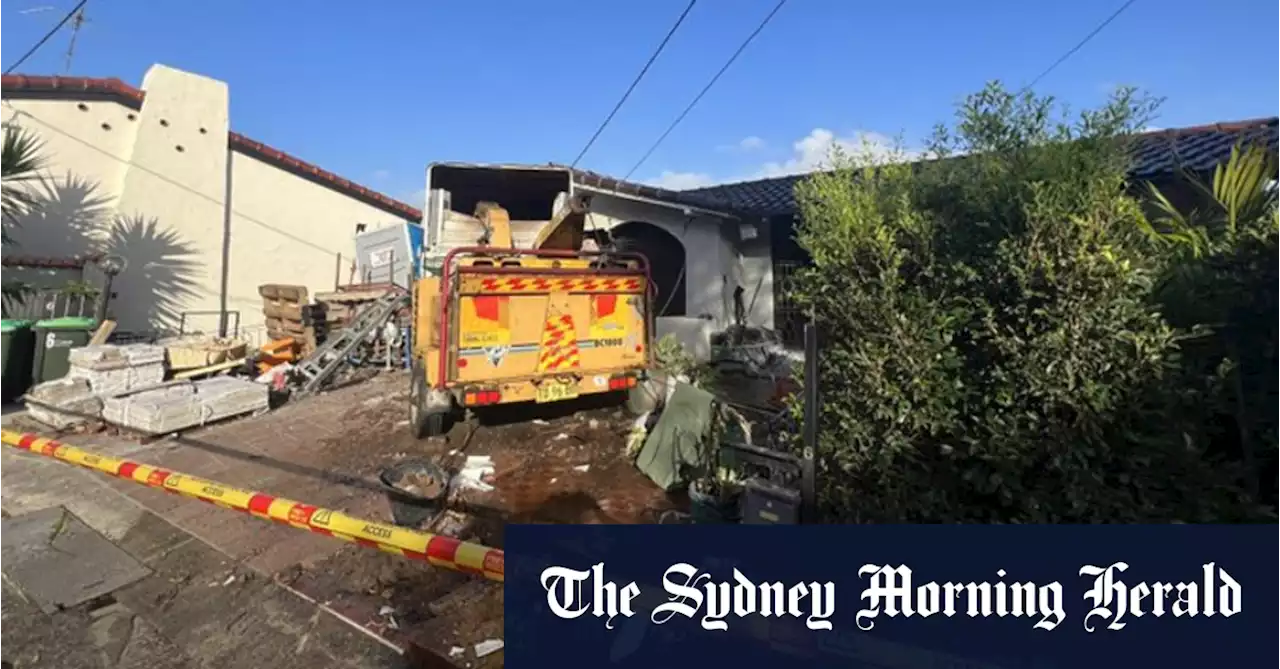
[[376, 90]]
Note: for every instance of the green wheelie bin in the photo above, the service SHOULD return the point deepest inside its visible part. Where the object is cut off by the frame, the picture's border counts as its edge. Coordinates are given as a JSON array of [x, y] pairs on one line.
[[15, 365], [55, 338]]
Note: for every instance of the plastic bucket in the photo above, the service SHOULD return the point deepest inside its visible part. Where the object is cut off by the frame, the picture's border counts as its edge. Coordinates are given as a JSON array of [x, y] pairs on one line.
[[416, 491]]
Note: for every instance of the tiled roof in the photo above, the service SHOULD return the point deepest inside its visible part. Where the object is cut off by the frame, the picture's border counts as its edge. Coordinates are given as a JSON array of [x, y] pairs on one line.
[[119, 91], [1157, 153]]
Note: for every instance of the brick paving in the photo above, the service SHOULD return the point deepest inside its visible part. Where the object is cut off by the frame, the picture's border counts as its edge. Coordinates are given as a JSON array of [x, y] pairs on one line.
[[290, 452], [327, 450]]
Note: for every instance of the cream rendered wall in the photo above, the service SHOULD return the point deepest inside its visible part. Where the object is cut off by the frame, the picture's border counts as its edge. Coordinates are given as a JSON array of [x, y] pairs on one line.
[[158, 181], [171, 201], [288, 229], [86, 147]]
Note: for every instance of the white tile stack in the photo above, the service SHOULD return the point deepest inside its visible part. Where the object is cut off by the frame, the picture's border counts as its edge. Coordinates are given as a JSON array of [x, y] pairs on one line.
[[177, 407], [62, 403], [111, 369]]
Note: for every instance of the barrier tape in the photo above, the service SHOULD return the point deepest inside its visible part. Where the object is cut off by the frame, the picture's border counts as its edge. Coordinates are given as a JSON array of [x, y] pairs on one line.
[[434, 549]]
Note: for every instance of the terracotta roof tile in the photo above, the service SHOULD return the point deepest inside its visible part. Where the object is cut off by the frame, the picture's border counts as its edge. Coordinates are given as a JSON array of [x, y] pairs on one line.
[[35, 86]]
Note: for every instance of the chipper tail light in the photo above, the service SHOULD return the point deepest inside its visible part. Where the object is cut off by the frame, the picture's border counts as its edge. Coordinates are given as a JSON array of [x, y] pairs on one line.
[[622, 382], [481, 397]]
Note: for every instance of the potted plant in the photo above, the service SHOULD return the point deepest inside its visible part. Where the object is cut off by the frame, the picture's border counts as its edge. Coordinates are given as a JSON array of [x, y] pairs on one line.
[[716, 496]]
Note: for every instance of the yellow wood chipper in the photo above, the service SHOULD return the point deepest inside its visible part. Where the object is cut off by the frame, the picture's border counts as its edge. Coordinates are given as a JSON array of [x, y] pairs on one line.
[[546, 323]]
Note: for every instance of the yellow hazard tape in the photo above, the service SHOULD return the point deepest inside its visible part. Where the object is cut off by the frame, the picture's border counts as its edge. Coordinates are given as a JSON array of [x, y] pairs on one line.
[[434, 549]]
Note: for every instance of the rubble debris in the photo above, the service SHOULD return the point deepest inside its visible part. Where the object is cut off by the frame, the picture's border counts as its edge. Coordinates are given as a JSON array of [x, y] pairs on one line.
[[582, 469], [64, 403], [639, 430], [488, 647], [456, 652], [276, 376], [421, 483], [593, 424], [753, 364], [476, 474]]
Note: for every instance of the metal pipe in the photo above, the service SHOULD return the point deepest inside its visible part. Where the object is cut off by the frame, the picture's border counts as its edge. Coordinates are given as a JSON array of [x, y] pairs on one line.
[[435, 549], [808, 454]]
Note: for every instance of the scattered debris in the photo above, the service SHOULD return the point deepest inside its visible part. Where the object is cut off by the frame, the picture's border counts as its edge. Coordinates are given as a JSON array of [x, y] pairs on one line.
[[636, 437], [389, 613], [228, 581], [562, 436], [539, 421], [375, 401], [582, 468], [593, 424], [488, 647], [421, 483], [476, 473], [456, 652]]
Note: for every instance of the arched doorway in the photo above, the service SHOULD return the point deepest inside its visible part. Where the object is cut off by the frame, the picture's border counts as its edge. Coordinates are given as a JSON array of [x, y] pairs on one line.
[[666, 262]]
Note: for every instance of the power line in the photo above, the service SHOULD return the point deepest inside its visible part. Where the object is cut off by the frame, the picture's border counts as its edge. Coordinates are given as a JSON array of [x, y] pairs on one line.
[[631, 88], [1077, 47], [75, 10], [711, 83]]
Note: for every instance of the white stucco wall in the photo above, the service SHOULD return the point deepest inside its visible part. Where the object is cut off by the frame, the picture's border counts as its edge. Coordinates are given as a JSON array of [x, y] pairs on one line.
[[153, 186], [716, 260]]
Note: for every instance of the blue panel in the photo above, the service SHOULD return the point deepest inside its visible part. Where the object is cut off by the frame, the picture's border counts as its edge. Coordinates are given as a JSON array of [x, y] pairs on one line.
[[416, 236]]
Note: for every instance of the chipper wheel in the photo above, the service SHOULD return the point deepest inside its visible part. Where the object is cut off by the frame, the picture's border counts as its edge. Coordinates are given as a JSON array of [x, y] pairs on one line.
[[426, 419]]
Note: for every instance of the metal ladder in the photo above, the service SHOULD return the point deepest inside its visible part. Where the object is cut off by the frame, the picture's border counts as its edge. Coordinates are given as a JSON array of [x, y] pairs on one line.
[[328, 358]]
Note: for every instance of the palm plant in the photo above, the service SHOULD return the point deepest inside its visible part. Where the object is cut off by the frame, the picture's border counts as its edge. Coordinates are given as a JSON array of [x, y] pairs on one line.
[[23, 161], [1221, 281], [1242, 199], [21, 166]]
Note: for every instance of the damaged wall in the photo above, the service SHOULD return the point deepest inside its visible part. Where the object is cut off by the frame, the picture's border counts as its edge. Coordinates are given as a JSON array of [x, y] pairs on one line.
[[717, 259]]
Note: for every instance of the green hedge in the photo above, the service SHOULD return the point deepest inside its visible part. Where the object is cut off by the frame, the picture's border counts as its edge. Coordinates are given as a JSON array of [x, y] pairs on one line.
[[995, 349]]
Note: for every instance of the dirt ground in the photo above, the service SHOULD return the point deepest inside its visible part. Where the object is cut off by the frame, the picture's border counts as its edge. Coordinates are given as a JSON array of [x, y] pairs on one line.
[[562, 464]]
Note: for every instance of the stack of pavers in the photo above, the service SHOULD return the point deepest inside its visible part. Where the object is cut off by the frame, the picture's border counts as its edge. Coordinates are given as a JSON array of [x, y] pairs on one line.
[[186, 404], [96, 372], [284, 307]]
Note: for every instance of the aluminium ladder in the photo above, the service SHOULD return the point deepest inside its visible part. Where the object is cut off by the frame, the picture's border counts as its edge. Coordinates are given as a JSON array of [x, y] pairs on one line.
[[316, 369]]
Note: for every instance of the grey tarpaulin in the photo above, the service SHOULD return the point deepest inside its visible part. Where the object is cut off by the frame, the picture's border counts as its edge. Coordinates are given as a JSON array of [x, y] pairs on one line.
[[680, 437]]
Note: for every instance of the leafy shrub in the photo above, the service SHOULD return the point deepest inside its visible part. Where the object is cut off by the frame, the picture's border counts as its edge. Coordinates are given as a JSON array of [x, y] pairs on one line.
[[992, 351]]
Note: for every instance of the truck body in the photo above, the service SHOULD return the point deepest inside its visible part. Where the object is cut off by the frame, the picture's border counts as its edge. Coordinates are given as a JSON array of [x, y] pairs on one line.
[[500, 324]]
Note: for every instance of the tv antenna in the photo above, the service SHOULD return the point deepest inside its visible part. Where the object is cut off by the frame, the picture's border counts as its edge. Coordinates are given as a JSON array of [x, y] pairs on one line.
[[77, 21]]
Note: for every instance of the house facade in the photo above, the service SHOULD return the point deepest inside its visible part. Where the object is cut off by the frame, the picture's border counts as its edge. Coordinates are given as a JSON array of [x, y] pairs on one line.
[[201, 215]]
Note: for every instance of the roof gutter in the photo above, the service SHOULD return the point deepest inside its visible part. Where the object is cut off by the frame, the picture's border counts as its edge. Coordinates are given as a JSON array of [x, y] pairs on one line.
[[686, 208]]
